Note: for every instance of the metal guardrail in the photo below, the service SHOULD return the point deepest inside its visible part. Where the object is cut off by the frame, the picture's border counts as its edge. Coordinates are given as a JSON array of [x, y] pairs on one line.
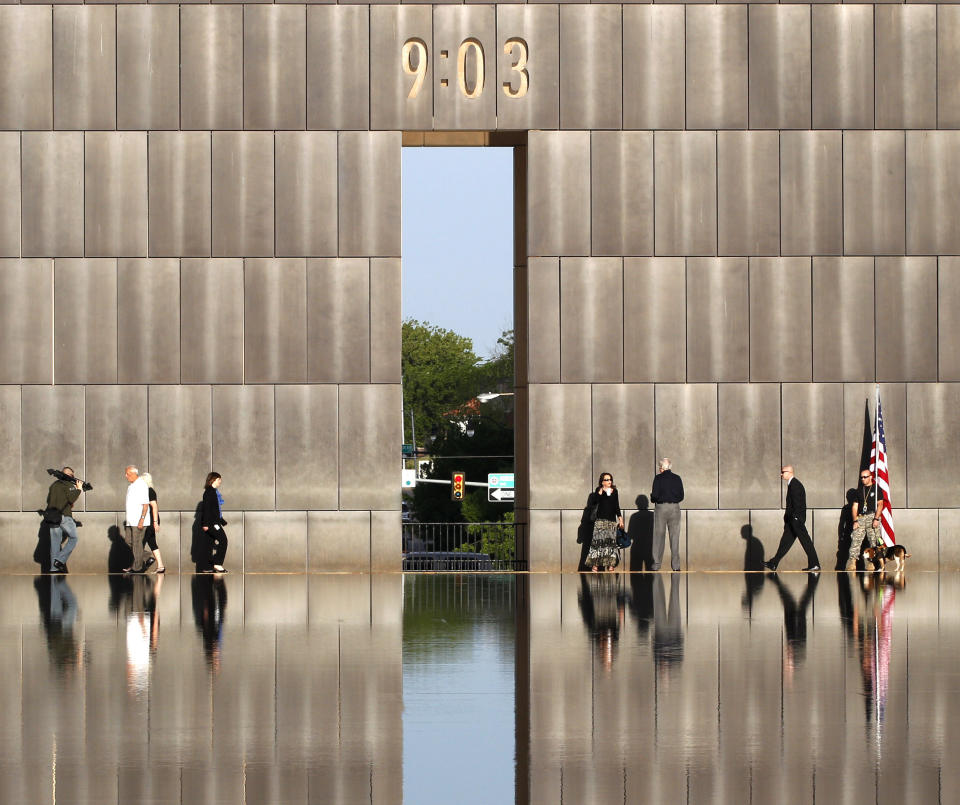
[[466, 547]]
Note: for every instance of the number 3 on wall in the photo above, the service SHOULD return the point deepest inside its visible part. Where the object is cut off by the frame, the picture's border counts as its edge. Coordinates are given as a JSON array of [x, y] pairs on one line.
[[413, 57]]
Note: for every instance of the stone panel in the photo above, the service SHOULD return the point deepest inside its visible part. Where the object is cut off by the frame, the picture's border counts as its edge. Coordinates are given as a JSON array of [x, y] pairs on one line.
[[543, 312], [717, 308], [843, 288], [813, 439], [85, 321], [275, 321], [84, 67], [748, 182], [538, 30], [180, 445], [933, 422], [385, 540], [338, 322], [654, 67], [712, 540], [779, 66], [211, 67], [906, 66], [244, 448], [307, 471], [780, 319], [623, 439], [148, 67], [274, 66], [654, 311], [338, 37], [933, 192], [338, 540], [51, 431], [115, 430], [546, 554], [570, 550], [811, 192], [873, 192], [385, 319], [591, 66], [10, 450], [369, 193], [369, 433], [148, 320], [560, 417], [685, 192], [115, 194], [716, 47], [948, 66], [917, 530], [906, 297], [52, 181], [18, 538], [211, 334], [179, 165], [306, 188], [842, 57], [949, 542], [26, 328], [9, 191], [621, 199], [26, 67], [392, 29], [749, 445], [591, 320], [274, 542], [686, 432], [464, 37], [558, 193], [948, 318], [243, 166]]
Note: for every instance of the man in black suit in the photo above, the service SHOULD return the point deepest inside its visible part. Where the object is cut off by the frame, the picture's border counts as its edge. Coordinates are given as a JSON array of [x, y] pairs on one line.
[[794, 517]]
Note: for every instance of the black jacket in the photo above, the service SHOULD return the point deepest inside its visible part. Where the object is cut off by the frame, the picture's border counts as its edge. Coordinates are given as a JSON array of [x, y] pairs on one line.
[[796, 501], [607, 506], [210, 511], [667, 488]]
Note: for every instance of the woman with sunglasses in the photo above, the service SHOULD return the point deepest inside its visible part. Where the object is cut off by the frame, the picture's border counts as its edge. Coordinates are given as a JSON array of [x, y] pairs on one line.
[[604, 507]]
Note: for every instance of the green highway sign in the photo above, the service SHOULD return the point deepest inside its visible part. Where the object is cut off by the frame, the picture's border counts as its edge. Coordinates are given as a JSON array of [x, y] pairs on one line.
[[409, 450]]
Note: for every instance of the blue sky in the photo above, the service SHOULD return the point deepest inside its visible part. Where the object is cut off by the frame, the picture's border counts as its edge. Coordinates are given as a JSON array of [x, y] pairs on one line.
[[458, 240]]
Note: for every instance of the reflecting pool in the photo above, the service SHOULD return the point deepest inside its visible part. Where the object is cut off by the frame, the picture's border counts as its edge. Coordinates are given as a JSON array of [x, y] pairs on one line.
[[657, 687]]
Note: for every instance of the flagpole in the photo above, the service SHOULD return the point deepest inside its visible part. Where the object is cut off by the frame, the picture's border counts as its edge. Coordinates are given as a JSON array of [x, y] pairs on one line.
[[876, 435]]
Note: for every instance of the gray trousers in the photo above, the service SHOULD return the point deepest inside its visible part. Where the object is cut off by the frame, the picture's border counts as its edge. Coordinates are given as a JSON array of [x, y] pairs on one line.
[[133, 536], [666, 515]]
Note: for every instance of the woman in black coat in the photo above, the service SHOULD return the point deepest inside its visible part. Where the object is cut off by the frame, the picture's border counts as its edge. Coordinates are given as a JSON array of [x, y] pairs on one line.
[[212, 522], [604, 507]]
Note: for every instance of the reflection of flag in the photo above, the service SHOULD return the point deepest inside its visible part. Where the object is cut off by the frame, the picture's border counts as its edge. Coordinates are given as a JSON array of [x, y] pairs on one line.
[[878, 466]]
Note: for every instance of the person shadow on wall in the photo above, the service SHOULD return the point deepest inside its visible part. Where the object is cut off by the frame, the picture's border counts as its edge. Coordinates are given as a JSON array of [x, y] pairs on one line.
[[41, 554], [199, 543], [752, 562], [120, 555], [584, 537], [640, 528], [845, 530]]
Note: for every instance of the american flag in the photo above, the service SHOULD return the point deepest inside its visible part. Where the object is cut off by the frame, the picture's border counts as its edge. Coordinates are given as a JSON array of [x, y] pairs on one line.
[[878, 466]]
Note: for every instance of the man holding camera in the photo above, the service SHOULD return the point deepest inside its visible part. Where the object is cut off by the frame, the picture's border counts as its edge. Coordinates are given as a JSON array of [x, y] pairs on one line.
[[62, 495]]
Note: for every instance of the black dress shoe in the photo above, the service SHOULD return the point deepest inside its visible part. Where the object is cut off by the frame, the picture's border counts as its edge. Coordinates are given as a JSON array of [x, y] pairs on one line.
[[59, 567], [812, 569], [770, 565]]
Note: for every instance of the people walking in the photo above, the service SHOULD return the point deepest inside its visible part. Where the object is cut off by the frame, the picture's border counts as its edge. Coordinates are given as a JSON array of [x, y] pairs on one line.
[[61, 497], [794, 519], [137, 518], [603, 507], [212, 522], [151, 531], [667, 494], [866, 510]]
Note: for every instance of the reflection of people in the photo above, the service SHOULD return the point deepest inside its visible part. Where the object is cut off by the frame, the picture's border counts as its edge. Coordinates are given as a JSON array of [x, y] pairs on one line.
[[794, 519], [137, 517], [667, 625], [867, 507], [61, 496], [212, 522], [58, 613], [666, 495], [143, 630], [209, 609], [604, 507], [795, 621], [602, 606], [151, 531]]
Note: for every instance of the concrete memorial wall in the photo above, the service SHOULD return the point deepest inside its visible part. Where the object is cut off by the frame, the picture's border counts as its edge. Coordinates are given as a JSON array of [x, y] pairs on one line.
[[733, 220]]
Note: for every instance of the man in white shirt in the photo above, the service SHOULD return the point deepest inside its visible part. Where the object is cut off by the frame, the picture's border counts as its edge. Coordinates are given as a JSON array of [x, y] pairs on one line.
[[137, 518]]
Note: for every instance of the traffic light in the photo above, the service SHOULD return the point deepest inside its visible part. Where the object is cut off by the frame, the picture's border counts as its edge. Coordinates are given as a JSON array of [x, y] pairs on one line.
[[457, 486]]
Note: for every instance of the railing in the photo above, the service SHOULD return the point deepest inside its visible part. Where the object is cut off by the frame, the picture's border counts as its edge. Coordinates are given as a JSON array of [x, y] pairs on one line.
[[467, 547]]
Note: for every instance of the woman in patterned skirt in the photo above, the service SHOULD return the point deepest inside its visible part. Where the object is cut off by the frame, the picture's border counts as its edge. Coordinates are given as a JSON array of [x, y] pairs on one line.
[[604, 506]]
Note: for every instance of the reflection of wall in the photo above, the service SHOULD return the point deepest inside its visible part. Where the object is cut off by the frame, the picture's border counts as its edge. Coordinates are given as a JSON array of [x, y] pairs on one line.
[[731, 722], [306, 705]]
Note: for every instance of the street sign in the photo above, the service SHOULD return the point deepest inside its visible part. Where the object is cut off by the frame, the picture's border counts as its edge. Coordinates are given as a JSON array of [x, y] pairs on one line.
[[409, 478], [408, 451], [497, 495], [500, 480]]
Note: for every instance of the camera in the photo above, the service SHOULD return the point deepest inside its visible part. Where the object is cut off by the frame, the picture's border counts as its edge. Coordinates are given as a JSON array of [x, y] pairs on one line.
[[60, 475]]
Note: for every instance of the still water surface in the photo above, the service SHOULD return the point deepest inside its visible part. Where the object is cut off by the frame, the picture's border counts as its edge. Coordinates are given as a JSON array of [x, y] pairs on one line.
[[489, 689]]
